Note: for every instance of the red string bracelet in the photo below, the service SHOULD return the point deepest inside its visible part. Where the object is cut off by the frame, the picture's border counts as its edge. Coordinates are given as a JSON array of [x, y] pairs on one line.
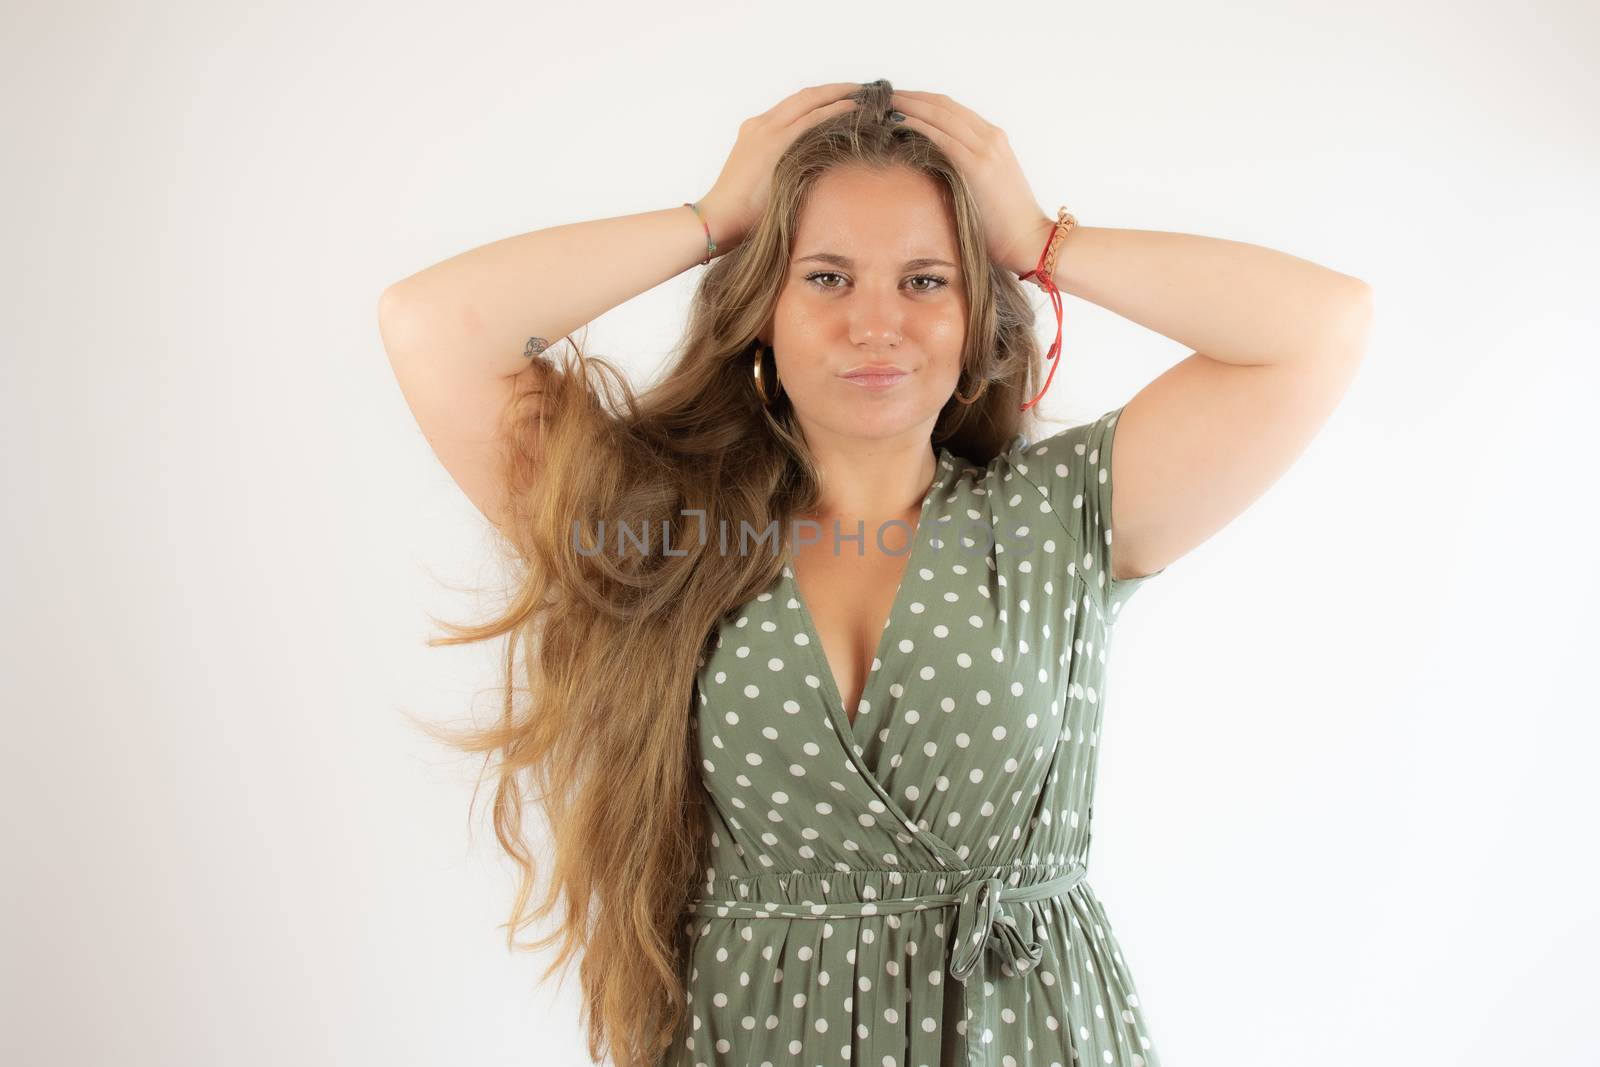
[[1044, 277]]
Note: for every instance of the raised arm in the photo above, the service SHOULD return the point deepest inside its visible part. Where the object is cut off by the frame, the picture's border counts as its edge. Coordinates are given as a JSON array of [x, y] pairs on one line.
[[459, 334]]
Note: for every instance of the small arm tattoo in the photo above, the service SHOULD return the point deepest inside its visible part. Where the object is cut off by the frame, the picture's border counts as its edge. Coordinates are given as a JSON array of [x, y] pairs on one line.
[[535, 346]]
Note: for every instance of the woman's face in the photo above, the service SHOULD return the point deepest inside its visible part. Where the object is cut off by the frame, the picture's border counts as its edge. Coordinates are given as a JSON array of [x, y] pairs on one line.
[[871, 305]]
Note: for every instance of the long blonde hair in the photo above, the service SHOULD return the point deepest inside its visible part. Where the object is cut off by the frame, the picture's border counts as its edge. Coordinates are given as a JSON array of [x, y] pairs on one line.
[[608, 643]]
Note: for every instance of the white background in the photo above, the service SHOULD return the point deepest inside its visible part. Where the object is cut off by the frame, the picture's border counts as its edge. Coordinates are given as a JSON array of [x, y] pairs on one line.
[[1346, 800]]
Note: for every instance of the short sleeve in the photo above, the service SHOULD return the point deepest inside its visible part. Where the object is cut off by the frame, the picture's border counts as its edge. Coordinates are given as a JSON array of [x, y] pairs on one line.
[[1072, 472]]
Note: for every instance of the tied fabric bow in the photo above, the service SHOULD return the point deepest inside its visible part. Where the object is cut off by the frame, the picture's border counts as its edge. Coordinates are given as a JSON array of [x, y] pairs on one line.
[[980, 925]]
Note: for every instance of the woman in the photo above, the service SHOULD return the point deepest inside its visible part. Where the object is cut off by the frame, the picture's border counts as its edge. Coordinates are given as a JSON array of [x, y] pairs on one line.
[[826, 796]]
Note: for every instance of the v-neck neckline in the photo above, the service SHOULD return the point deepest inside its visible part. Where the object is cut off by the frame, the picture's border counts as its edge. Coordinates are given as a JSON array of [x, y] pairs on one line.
[[819, 655]]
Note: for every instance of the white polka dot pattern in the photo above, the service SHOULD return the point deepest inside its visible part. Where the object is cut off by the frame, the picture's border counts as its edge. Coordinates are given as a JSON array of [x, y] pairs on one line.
[[845, 856]]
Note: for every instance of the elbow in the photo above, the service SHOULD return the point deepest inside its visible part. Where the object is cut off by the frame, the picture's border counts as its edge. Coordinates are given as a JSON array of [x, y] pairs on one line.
[[1362, 304], [389, 302], [1351, 323], [1362, 296], [393, 315]]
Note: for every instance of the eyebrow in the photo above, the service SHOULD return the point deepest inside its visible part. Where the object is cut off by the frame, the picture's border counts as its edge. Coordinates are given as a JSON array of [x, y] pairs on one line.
[[846, 261]]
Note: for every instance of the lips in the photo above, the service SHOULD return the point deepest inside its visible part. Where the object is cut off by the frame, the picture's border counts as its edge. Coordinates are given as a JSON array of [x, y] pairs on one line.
[[878, 370], [882, 377]]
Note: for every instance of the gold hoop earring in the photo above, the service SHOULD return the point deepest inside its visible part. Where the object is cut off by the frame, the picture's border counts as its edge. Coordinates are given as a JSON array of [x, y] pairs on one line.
[[975, 396], [761, 389]]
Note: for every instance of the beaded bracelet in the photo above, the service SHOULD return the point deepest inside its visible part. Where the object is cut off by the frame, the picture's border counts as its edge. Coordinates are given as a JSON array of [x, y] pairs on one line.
[[711, 246]]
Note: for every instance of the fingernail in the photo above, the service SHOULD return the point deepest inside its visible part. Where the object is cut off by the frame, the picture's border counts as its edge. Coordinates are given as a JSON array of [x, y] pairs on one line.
[[895, 116]]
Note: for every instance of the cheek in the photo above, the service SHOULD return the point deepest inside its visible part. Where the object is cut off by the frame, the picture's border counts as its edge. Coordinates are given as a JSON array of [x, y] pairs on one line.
[[947, 330], [801, 325], [945, 342]]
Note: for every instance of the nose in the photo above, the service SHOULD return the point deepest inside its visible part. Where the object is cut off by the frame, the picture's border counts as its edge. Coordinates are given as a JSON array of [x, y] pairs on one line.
[[875, 320]]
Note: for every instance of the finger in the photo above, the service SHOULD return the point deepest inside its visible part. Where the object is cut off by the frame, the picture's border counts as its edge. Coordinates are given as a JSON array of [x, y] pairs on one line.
[[838, 107], [809, 99], [940, 99], [954, 117], [940, 109], [932, 114], [953, 148]]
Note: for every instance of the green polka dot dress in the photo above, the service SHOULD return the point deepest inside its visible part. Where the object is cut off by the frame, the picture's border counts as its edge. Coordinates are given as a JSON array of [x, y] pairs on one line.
[[908, 889]]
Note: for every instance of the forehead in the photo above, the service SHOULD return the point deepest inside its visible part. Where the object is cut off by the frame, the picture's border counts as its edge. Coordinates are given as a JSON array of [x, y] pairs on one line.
[[893, 214]]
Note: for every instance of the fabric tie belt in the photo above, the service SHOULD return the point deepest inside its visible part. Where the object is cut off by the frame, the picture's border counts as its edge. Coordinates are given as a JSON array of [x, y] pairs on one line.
[[980, 925]]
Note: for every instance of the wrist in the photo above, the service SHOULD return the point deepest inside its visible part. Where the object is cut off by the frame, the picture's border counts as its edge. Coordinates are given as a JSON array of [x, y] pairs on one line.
[[1023, 256], [724, 227]]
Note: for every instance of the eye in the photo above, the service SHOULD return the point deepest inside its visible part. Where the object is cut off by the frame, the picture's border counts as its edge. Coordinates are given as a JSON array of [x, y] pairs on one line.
[[940, 282]]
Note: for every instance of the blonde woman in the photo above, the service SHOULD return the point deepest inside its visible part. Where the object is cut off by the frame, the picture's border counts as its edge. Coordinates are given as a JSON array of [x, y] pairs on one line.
[[815, 740]]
